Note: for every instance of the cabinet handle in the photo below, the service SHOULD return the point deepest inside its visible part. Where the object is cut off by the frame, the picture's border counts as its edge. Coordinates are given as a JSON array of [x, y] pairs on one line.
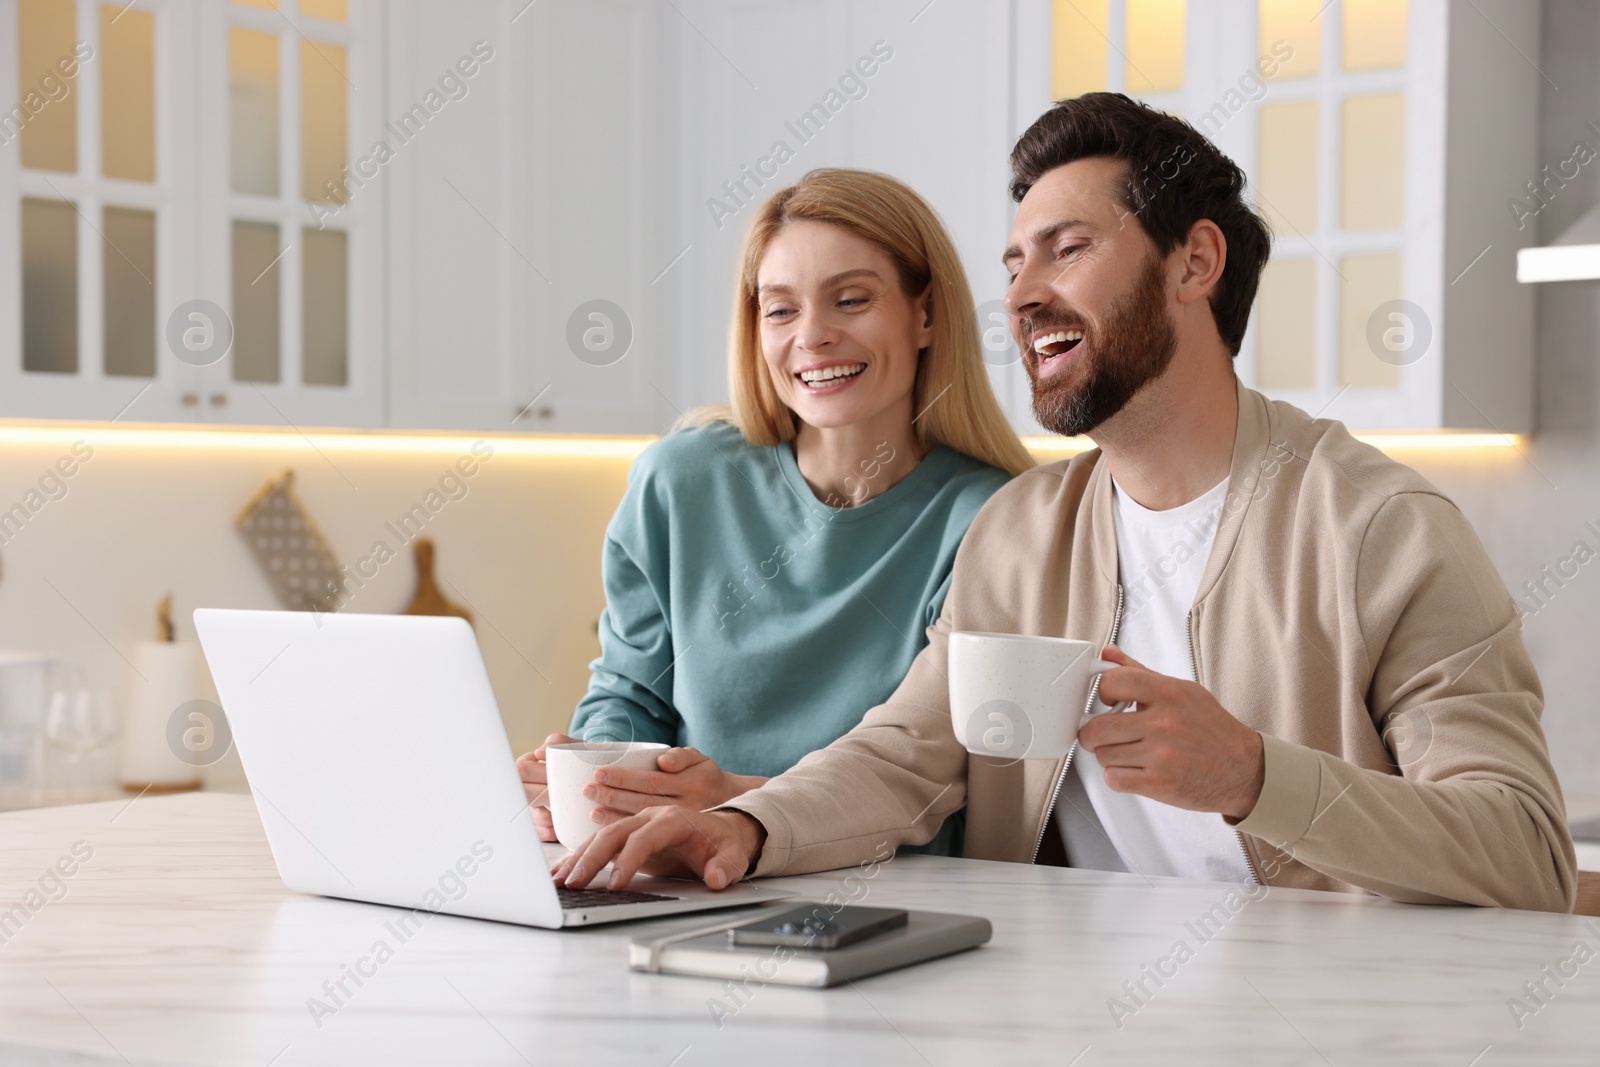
[[218, 399], [542, 413], [189, 400]]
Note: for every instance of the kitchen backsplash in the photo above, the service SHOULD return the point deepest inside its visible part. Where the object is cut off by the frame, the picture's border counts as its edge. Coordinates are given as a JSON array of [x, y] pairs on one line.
[[114, 527]]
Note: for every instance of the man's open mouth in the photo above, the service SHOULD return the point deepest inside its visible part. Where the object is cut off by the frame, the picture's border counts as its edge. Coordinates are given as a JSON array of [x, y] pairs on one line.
[[1055, 344], [823, 377], [1052, 349]]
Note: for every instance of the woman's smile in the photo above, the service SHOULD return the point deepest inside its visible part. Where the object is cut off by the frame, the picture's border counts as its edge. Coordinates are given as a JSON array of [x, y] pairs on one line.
[[826, 379]]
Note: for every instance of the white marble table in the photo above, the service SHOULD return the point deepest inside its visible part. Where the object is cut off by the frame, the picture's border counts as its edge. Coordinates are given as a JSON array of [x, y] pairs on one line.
[[176, 944]]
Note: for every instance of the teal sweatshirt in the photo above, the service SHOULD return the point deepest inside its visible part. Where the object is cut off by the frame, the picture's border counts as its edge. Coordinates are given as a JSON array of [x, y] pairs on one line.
[[748, 619]]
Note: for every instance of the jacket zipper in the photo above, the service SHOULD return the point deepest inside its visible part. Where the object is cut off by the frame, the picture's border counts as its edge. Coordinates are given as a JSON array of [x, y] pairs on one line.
[[1194, 672], [1094, 691]]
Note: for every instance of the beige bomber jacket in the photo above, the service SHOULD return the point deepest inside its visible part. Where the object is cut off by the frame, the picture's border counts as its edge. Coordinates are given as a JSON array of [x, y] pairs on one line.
[[1347, 612]]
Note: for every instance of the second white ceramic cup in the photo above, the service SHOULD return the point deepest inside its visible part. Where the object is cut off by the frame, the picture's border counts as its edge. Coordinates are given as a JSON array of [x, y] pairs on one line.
[[570, 767], [1014, 696]]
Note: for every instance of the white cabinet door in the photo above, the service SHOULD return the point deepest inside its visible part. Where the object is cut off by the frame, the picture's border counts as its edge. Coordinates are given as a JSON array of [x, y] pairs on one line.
[[526, 219], [299, 274], [61, 263], [456, 278]]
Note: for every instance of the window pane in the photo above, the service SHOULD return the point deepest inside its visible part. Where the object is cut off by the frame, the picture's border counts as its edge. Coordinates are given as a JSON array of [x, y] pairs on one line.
[[1371, 161], [1295, 23], [1374, 33], [325, 260], [1155, 45], [253, 110], [45, 97], [127, 93], [49, 286], [323, 120], [1286, 325], [1287, 174], [130, 265], [255, 301], [1368, 282], [332, 10], [1079, 47]]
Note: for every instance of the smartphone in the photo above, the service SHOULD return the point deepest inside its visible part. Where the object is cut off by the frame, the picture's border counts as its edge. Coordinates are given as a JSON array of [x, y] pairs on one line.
[[817, 926]]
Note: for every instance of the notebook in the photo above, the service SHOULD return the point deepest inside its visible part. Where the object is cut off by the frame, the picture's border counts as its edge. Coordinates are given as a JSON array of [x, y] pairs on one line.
[[707, 952]]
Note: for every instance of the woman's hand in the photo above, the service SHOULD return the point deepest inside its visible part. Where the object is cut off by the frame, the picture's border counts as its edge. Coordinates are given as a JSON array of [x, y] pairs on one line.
[[530, 765], [685, 778]]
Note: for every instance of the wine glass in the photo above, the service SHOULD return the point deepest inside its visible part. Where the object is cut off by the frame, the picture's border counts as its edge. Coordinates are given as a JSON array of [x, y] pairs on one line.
[[80, 723]]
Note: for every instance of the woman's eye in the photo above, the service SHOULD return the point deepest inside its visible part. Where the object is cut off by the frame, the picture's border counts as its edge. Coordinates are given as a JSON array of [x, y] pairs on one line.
[[852, 301], [776, 314]]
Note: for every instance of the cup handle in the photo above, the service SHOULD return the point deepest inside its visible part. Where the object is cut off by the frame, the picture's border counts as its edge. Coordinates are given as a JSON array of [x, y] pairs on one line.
[[1100, 666]]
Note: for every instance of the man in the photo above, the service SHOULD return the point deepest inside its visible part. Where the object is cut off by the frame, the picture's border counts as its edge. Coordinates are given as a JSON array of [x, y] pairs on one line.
[[1330, 682]]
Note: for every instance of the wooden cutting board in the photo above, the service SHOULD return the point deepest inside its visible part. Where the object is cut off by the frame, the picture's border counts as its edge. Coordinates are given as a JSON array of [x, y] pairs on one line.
[[428, 599]]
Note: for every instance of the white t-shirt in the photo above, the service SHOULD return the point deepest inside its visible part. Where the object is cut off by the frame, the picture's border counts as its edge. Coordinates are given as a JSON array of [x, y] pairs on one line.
[[1162, 555]]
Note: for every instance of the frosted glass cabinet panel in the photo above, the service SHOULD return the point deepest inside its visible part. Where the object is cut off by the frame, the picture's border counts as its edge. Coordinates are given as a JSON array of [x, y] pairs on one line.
[[253, 110], [45, 34], [128, 250], [257, 310], [127, 93], [1295, 25], [1286, 325], [49, 286], [1289, 166], [324, 120], [1155, 45], [325, 304]]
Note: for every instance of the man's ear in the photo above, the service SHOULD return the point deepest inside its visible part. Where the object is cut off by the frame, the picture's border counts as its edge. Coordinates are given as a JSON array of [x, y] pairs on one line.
[[1202, 255]]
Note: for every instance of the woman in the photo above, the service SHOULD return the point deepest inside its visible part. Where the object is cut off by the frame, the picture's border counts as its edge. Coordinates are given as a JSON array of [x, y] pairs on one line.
[[773, 566]]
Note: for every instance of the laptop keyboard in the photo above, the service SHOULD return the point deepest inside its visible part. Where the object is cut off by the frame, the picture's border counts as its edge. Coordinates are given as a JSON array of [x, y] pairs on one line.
[[591, 898]]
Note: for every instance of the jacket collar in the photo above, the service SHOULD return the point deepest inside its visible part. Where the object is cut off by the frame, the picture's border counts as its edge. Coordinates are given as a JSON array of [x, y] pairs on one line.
[[1250, 441]]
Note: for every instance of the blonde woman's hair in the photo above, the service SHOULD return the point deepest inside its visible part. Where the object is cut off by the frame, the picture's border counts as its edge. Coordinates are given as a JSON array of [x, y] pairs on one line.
[[956, 406]]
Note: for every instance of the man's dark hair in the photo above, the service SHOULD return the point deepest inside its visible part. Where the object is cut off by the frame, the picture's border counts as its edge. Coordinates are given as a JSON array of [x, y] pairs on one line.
[[1176, 177]]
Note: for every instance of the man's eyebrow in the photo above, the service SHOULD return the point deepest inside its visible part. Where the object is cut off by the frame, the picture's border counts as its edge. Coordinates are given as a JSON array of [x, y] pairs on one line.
[[832, 279], [1041, 235]]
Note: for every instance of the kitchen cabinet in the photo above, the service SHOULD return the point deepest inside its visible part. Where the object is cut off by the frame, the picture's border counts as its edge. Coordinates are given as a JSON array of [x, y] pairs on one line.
[[540, 224], [126, 207], [531, 220], [1387, 143]]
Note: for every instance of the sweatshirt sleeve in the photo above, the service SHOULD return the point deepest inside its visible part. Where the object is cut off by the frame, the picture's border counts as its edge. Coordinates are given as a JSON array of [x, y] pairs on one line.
[[630, 684], [1472, 812], [890, 781]]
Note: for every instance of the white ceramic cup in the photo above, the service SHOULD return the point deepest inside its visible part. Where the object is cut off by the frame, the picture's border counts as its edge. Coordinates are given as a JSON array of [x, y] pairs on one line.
[[1013, 696], [570, 767]]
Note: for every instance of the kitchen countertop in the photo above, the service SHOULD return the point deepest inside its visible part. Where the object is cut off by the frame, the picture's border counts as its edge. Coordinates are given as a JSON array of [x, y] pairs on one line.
[[176, 943]]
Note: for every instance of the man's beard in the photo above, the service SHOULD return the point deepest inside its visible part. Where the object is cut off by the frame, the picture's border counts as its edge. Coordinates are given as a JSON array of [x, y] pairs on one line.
[[1135, 345]]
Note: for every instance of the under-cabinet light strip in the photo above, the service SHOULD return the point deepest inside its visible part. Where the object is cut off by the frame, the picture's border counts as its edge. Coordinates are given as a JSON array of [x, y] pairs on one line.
[[541, 445]]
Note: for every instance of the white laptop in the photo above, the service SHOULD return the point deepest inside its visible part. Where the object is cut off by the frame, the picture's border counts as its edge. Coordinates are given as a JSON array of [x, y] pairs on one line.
[[382, 773]]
